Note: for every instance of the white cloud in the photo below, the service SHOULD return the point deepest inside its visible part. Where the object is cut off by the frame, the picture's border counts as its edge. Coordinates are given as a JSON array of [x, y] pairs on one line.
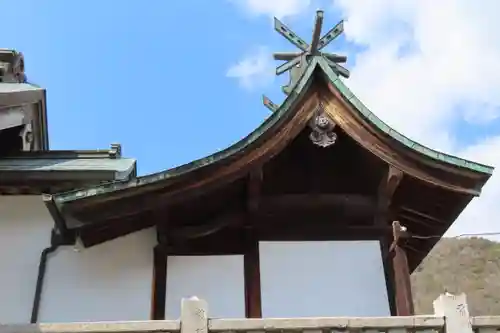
[[483, 213], [421, 60], [255, 71], [424, 66], [278, 8]]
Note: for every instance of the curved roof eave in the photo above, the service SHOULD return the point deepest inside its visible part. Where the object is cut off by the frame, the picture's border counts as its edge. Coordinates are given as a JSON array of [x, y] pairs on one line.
[[270, 124], [359, 107]]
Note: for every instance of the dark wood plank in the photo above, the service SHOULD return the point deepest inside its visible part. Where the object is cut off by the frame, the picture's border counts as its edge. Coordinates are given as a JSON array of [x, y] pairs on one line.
[[159, 290], [252, 278], [386, 191], [253, 307], [404, 297]]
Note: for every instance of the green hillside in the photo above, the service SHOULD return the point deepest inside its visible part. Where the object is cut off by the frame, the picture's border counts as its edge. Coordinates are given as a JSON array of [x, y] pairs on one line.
[[469, 265]]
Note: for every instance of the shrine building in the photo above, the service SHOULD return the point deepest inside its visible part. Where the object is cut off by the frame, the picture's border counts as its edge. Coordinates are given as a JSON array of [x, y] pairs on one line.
[[323, 210]]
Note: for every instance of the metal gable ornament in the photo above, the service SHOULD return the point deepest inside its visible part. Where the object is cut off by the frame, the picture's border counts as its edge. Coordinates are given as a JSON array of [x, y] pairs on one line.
[[322, 127], [296, 62]]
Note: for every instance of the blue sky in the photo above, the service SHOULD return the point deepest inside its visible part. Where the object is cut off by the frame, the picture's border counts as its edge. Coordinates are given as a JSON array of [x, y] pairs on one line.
[[176, 80], [149, 76]]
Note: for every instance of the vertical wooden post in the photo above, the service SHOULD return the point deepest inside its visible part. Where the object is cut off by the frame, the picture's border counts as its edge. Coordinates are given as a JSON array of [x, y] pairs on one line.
[[253, 308], [404, 297], [194, 315], [455, 311], [159, 290], [385, 194]]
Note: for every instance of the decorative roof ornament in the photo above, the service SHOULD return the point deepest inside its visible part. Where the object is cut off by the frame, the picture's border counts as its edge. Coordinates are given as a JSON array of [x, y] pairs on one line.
[[12, 66], [322, 129], [296, 62]]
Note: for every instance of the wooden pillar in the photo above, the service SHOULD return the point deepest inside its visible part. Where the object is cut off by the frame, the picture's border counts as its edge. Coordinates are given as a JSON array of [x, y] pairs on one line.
[[385, 194], [252, 277], [404, 297], [159, 290], [159, 285], [251, 257]]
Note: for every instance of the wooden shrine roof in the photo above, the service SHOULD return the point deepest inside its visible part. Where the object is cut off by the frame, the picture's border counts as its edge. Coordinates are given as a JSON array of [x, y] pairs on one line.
[[373, 165], [318, 88], [272, 125]]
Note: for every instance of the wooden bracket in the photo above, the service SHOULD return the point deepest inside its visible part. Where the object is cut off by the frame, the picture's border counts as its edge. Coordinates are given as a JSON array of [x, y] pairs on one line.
[[387, 188]]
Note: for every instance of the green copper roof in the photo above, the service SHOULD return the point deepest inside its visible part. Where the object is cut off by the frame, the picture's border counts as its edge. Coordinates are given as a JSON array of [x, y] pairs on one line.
[[281, 113], [349, 96]]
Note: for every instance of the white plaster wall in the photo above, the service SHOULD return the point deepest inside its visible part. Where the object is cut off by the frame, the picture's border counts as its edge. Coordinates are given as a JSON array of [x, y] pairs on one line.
[[330, 278], [217, 279], [111, 281], [25, 226]]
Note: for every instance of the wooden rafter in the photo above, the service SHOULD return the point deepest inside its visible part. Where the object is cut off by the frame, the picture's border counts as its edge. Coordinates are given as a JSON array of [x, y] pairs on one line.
[[417, 220], [422, 216], [358, 204]]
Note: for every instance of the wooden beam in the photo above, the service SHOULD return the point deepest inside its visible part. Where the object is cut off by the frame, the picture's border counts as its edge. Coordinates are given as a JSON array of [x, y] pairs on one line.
[[386, 190], [305, 231], [159, 288], [348, 204], [296, 202], [404, 297], [253, 303], [417, 220], [423, 215]]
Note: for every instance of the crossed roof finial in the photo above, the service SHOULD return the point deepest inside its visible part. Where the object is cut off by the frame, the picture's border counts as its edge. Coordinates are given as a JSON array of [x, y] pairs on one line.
[[296, 62]]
